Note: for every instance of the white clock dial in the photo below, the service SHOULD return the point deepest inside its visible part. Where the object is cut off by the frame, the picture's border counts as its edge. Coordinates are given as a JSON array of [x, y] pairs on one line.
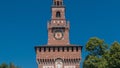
[[58, 35]]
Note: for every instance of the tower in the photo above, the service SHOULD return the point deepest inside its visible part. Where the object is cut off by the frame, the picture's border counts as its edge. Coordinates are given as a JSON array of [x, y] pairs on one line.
[[58, 52], [58, 27]]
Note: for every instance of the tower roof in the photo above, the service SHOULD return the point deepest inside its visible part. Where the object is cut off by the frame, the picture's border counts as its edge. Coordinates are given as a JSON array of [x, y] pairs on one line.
[[58, 3]]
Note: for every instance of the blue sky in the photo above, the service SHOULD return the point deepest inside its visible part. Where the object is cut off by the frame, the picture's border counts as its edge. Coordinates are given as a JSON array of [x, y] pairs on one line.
[[23, 25]]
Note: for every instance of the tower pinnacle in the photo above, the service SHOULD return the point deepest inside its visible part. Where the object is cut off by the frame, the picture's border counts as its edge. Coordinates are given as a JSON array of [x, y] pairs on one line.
[[58, 2]]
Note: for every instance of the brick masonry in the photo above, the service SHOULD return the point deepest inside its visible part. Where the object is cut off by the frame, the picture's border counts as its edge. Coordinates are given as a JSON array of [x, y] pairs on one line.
[[58, 52]]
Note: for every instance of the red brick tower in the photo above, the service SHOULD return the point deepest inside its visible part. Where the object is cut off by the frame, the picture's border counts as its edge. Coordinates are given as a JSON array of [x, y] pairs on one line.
[[58, 53]]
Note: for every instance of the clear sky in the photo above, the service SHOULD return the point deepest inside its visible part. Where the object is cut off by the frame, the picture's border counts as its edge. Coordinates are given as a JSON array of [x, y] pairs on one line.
[[23, 25]]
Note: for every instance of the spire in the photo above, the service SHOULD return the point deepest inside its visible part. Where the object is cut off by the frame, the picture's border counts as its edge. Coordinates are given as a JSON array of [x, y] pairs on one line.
[[57, 2]]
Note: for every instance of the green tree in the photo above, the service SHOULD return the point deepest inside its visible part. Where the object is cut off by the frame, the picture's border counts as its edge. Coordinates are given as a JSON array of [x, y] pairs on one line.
[[114, 56], [96, 48], [99, 56], [11, 65], [4, 65]]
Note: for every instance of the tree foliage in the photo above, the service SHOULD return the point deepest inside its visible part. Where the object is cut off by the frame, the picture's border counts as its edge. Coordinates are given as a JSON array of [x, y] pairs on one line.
[[11, 65], [96, 47], [4, 65], [99, 56], [114, 56]]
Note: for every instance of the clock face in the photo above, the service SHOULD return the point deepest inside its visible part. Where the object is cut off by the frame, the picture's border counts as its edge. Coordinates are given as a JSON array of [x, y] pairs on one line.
[[58, 35]]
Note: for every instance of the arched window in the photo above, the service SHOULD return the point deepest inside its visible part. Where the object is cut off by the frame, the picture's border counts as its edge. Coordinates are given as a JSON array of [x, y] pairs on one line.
[[58, 3], [58, 14], [59, 63]]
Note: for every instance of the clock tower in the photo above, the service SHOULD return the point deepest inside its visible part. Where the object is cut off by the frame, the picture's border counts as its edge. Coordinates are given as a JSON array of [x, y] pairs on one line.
[[58, 27], [58, 52]]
